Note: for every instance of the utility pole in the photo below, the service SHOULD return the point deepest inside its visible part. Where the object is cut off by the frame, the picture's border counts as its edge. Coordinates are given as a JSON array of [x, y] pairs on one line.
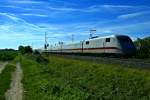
[[45, 38], [72, 38], [32, 45], [46, 44], [61, 45]]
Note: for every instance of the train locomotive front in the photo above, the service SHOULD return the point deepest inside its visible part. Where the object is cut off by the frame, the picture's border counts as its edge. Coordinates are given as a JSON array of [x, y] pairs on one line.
[[126, 45]]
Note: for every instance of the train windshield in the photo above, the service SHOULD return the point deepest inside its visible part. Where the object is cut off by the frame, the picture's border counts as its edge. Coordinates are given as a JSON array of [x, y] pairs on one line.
[[126, 42], [124, 39]]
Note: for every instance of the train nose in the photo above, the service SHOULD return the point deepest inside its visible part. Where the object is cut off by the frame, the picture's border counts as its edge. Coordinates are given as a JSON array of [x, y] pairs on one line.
[[126, 45], [129, 50]]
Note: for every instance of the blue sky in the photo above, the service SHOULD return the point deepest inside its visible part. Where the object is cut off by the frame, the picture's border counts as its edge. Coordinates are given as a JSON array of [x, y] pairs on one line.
[[24, 22]]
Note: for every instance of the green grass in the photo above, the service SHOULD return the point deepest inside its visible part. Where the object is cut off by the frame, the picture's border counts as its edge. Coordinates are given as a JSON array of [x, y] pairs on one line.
[[5, 80], [65, 79]]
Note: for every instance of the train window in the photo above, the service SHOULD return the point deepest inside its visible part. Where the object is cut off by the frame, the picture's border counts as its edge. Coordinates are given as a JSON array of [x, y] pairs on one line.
[[107, 39], [87, 42]]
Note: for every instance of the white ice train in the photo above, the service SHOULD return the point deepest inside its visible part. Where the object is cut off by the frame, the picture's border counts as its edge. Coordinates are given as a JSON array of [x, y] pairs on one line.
[[114, 44]]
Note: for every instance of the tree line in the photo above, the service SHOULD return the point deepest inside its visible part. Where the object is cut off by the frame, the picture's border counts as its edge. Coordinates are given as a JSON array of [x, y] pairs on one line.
[[8, 54]]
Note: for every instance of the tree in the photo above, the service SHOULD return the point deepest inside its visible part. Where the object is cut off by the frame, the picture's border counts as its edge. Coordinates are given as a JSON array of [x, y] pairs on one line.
[[25, 49], [143, 47]]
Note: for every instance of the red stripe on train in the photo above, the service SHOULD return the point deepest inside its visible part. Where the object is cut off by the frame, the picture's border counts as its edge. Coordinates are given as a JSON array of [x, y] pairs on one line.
[[104, 48]]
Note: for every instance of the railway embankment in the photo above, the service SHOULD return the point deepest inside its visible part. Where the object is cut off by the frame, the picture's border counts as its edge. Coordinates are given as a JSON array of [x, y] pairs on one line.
[[54, 78], [125, 62]]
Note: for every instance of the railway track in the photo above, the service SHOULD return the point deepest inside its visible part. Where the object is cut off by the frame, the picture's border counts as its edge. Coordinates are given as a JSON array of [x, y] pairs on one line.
[[130, 62]]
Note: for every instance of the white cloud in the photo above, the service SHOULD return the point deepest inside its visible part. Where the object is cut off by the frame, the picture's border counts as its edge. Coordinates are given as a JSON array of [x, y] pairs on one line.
[[111, 7], [95, 8], [26, 2], [92, 8], [9, 6], [33, 14], [10, 16], [128, 29], [23, 33], [133, 15], [50, 27], [117, 6], [64, 9], [18, 25]]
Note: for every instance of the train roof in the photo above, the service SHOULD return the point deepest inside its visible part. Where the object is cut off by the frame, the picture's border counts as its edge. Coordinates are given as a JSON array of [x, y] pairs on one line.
[[102, 37], [96, 38]]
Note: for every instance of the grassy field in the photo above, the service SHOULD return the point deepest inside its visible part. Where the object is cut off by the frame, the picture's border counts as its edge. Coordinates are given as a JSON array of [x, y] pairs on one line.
[[64, 79], [5, 80]]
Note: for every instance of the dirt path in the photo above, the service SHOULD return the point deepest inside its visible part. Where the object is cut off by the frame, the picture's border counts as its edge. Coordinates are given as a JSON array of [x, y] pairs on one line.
[[2, 66], [16, 89]]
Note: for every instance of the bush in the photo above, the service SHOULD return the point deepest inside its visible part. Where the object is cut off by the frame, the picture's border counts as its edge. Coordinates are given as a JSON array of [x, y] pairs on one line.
[[36, 52], [143, 48], [7, 55], [41, 59]]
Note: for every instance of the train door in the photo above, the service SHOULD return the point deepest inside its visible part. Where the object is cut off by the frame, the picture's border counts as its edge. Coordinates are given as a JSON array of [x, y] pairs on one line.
[[81, 43], [104, 45]]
